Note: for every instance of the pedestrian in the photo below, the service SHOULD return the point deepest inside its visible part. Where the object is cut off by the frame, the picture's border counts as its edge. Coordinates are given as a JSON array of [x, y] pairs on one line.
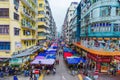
[[31, 75], [57, 61], [54, 70], [15, 77], [60, 51]]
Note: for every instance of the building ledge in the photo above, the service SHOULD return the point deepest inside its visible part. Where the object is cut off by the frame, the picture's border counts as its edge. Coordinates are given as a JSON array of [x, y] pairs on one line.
[[97, 52], [28, 39]]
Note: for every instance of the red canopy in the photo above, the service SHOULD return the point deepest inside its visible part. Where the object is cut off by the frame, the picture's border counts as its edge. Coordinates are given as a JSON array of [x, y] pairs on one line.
[[67, 54]]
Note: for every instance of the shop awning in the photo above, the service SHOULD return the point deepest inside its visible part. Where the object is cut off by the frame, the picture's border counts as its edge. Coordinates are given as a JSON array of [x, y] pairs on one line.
[[51, 50], [67, 54], [51, 56], [16, 61], [67, 49], [27, 52], [42, 54], [43, 61], [75, 60], [98, 52], [39, 57]]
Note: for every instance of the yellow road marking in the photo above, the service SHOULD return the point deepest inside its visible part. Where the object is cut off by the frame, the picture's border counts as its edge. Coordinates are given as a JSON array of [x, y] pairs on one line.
[[80, 77], [41, 77]]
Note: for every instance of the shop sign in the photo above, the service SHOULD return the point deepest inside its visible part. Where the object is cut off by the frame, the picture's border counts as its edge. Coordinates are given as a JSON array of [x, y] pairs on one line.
[[92, 57], [104, 60], [16, 61], [104, 68], [18, 45], [117, 57]]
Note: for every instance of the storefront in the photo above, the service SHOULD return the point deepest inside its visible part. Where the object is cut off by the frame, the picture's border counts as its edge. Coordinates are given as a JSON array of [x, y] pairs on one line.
[[101, 59], [101, 62]]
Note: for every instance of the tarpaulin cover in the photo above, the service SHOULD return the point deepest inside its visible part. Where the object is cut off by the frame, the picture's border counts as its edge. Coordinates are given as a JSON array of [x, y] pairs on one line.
[[52, 50], [67, 54], [39, 57], [43, 61], [50, 56], [48, 52], [42, 54], [67, 49], [75, 60]]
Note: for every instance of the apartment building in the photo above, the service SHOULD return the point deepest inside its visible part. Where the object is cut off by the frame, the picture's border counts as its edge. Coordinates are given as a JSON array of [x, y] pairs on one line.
[[45, 21], [17, 26], [67, 20]]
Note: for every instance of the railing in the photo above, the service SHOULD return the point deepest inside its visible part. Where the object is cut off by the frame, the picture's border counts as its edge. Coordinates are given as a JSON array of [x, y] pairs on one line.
[[100, 47]]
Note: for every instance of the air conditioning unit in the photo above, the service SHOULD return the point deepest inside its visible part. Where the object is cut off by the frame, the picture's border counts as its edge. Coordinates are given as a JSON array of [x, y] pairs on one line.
[[16, 8]]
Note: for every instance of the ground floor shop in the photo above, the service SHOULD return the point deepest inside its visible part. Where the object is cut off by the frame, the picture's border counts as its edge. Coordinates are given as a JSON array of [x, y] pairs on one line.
[[102, 63]]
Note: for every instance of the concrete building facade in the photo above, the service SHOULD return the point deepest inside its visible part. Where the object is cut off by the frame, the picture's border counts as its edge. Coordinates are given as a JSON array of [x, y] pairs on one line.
[[67, 21], [45, 21], [100, 20], [17, 26]]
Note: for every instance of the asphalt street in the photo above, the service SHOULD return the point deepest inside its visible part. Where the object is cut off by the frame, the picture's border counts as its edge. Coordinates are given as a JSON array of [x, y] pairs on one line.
[[62, 72]]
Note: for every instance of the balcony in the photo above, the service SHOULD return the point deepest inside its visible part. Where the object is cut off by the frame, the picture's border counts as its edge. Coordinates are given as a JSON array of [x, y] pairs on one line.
[[41, 37], [42, 23], [41, 30], [29, 5], [28, 16], [4, 37], [31, 28], [98, 4], [28, 37]]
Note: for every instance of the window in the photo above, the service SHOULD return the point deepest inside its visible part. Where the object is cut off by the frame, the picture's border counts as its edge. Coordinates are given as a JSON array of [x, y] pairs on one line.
[[4, 12], [41, 19], [4, 29], [4, 45], [40, 5], [24, 32], [41, 34], [16, 16], [116, 28], [105, 11], [16, 31], [118, 11], [16, 2], [40, 12]]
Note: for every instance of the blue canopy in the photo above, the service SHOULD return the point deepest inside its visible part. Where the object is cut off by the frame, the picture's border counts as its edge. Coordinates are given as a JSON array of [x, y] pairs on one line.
[[75, 60], [67, 49], [50, 56], [49, 52], [42, 54]]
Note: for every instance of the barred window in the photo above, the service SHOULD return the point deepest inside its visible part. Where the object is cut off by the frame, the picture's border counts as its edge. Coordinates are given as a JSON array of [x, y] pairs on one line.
[[4, 29], [4, 12]]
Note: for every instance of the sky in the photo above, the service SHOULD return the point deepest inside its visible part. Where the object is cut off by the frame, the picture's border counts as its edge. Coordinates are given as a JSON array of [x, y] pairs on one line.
[[59, 9]]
